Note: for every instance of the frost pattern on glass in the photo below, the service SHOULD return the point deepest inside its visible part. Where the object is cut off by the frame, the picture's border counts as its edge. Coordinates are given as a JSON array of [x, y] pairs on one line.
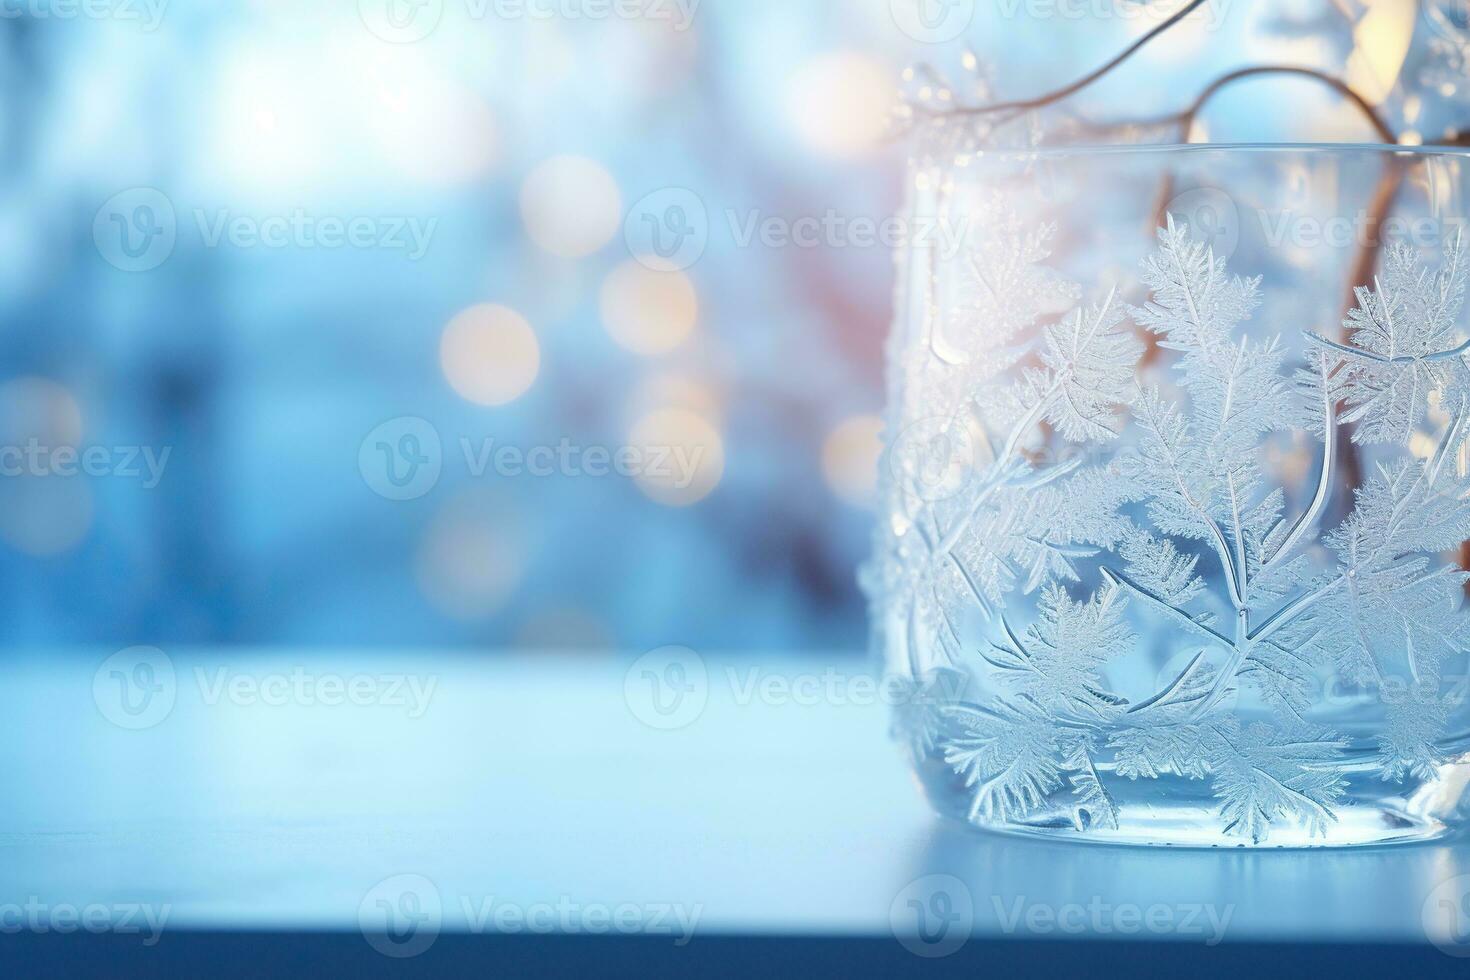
[[1068, 535]]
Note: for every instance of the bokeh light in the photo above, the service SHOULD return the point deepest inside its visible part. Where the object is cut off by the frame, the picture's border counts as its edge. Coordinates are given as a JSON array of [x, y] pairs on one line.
[[683, 454], [41, 514], [429, 128], [490, 354], [850, 459], [676, 389], [571, 206], [471, 559], [647, 311], [839, 103], [39, 409]]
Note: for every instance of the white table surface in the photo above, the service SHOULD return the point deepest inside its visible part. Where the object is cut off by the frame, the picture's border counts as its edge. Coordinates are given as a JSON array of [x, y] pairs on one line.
[[528, 779]]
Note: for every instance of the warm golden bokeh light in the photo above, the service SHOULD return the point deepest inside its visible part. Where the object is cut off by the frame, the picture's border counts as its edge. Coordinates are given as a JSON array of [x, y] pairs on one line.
[[490, 354], [850, 459], [1382, 41], [683, 454], [646, 311]]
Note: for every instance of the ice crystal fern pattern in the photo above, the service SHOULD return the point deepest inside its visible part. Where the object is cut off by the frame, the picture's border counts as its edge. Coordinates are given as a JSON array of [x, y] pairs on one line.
[[1269, 595]]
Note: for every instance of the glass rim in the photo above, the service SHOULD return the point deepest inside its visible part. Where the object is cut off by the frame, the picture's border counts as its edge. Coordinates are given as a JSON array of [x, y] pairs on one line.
[[1419, 151]]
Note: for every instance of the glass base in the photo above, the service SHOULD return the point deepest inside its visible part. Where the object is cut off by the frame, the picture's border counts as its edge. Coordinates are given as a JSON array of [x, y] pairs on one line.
[[1175, 812]]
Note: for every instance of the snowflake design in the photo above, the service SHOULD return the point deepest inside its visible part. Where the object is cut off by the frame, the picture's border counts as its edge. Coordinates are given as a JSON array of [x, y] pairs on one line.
[[1371, 598]]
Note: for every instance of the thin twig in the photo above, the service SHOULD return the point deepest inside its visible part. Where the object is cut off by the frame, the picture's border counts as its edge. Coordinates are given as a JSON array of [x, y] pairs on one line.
[[1021, 105]]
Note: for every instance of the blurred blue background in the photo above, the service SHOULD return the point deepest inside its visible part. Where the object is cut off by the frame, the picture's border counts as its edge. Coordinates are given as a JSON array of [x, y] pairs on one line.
[[280, 274]]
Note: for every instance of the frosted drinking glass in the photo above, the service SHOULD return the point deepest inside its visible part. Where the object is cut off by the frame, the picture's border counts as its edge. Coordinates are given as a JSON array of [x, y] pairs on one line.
[[1174, 493]]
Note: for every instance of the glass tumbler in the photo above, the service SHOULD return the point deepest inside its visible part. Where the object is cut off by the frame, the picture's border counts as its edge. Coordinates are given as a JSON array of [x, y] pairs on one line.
[[1174, 497]]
